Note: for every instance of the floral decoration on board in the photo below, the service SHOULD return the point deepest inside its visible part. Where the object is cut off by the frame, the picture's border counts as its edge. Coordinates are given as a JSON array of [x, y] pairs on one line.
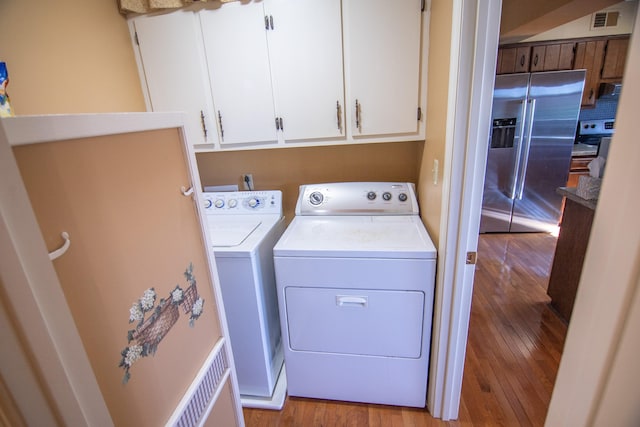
[[153, 321]]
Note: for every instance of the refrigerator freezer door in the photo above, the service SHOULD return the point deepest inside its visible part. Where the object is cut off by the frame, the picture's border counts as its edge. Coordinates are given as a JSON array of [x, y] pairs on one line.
[[554, 106], [505, 146]]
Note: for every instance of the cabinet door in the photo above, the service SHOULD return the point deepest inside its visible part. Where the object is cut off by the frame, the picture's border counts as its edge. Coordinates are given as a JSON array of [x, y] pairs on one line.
[[506, 60], [614, 59], [523, 56], [558, 57], [170, 50], [235, 43], [567, 56], [382, 66], [305, 51], [537, 58], [589, 56], [513, 60]]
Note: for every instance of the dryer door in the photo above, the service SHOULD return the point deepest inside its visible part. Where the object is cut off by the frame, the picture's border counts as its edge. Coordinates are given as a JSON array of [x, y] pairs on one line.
[[362, 322]]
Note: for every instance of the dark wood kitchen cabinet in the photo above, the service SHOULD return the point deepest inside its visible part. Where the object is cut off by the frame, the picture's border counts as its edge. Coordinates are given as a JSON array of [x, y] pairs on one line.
[[552, 57], [589, 56], [602, 57], [614, 59], [571, 248], [530, 57], [513, 60]]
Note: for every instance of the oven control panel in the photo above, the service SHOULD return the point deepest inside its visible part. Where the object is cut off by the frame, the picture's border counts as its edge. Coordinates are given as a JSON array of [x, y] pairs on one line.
[[358, 198], [596, 127]]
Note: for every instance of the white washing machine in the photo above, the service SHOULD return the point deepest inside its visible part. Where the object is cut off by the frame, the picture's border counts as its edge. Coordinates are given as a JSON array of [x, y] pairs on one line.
[[355, 273], [243, 228]]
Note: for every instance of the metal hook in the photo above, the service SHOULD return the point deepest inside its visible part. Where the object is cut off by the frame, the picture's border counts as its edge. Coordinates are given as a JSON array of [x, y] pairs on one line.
[[62, 249]]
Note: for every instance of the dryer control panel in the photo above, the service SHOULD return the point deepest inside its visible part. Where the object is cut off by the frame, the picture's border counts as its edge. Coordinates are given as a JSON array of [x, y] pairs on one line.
[[358, 198], [242, 202]]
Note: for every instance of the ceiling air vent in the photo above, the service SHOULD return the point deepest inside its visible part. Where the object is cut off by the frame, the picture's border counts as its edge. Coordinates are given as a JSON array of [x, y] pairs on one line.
[[605, 20]]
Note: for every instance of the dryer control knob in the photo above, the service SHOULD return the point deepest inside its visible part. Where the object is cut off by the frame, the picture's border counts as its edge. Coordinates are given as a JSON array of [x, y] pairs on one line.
[[386, 196], [207, 203], [402, 197], [371, 195], [253, 202], [233, 203], [219, 203], [316, 198]]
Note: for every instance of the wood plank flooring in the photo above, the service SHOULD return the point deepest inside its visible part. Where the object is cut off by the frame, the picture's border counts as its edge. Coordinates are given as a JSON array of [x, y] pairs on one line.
[[514, 348]]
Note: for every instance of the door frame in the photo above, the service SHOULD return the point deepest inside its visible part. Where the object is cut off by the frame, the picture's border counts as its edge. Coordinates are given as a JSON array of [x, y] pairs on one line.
[[589, 382], [474, 47]]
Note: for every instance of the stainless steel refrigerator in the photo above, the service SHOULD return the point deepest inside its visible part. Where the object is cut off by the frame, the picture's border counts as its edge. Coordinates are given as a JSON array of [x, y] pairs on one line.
[[534, 118]]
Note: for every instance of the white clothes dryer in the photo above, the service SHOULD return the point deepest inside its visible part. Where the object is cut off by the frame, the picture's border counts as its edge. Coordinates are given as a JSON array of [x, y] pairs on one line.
[[243, 227], [355, 273]]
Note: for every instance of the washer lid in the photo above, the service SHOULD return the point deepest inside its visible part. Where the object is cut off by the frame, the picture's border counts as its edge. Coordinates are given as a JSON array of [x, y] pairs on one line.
[[356, 237], [229, 232]]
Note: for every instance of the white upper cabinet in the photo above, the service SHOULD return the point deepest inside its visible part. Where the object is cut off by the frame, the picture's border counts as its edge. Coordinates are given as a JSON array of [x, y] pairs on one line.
[[276, 69], [172, 67], [305, 49], [382, 66], [235, 42], [270, 73]]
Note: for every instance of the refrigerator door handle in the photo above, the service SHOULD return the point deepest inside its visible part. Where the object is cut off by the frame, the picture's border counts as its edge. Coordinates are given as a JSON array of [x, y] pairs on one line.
[[516, 167], [527, 146]]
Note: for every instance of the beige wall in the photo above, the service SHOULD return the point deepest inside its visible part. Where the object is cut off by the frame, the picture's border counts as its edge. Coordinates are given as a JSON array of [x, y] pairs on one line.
[[437, 103], [287, 169], [68, 56]]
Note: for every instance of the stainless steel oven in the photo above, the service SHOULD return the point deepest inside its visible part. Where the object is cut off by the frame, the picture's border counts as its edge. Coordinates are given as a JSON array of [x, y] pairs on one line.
[[591, 132]]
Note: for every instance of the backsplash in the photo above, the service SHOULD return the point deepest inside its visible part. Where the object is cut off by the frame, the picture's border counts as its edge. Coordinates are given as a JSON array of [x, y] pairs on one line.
[[605, 109]]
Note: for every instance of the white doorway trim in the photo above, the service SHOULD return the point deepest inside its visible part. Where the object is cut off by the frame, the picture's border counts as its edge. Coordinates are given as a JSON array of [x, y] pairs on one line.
[[597, 374], [474, 45]]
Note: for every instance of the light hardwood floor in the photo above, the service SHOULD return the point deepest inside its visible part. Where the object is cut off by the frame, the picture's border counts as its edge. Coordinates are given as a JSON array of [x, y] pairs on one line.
[[514, 348]]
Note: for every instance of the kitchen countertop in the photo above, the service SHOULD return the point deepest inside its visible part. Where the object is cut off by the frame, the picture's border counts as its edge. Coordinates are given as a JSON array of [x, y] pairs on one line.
[[570, 193], [580, 150]]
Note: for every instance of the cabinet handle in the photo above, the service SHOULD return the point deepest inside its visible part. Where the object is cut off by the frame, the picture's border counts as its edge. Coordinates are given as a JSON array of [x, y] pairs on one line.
[[535, 60], [204, 125], [271, 21], [220, 123], [281, 124], [358, 116], [522, 61], [277, 124], [339, 116], [266, 22]]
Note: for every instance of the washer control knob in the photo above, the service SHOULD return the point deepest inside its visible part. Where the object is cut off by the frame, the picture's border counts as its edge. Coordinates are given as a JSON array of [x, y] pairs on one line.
[[207, 203], [233, 203], [219, 203], [371, 195], [386, 196], [402, 197], [253, 202], [316, 198]]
